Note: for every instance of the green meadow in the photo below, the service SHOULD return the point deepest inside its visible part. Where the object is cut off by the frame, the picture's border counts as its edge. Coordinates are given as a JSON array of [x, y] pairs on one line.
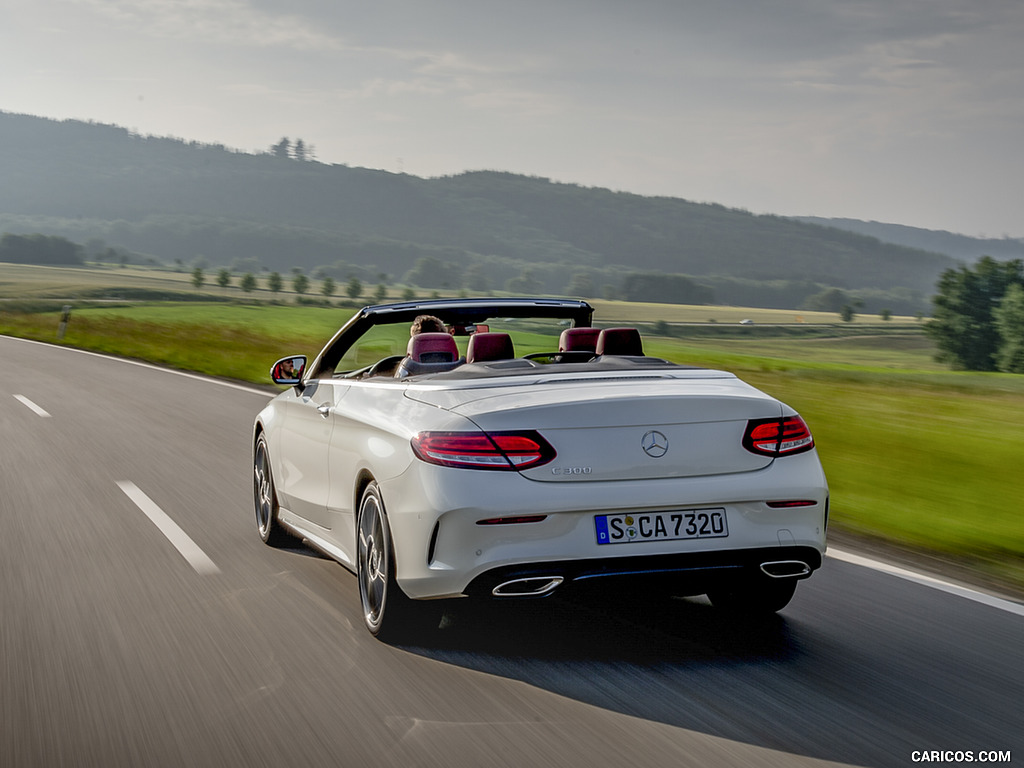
[[917, 457]]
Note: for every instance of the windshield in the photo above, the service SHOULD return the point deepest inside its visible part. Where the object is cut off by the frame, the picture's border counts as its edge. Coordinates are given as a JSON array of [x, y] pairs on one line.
[[378, 343]]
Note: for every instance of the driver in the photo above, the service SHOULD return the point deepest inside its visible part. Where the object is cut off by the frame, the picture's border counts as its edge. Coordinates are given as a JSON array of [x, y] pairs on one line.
[[427, 324]]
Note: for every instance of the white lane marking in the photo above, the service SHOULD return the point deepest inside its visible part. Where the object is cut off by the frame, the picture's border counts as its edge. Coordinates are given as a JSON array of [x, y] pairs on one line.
[[32, 406], [188, 548], [928, 581]]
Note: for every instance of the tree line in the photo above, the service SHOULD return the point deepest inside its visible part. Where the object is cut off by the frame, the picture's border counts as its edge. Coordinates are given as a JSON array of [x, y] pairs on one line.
[[39, 249], [275, 283], [451, 270], [172, 199], [978, 319]]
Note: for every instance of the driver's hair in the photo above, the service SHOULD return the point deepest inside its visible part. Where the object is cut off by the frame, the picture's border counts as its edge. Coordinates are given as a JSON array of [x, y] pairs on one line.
[[427, 324]]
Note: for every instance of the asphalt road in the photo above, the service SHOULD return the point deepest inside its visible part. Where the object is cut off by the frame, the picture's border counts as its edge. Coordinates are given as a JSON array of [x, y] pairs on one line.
[[143, 623]]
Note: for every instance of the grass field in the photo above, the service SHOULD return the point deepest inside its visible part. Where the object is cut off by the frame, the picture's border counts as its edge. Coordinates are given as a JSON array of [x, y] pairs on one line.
[[613, 312], [915, 455], [25, 281]]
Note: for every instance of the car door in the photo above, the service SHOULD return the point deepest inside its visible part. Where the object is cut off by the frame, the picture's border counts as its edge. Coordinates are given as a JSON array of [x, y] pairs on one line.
[[366, 438], [304, 485]]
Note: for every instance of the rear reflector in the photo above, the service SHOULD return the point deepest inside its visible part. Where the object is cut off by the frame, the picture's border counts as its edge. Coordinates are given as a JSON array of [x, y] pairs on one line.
[[792, 503], [512, 520], [483, 450], [778, 437]]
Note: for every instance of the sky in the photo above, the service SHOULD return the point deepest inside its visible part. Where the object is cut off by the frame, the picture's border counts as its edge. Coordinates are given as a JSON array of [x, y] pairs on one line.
[[901, 111]]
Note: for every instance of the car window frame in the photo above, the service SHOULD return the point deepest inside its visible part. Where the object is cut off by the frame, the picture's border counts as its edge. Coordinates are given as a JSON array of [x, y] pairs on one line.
[[579, 313]]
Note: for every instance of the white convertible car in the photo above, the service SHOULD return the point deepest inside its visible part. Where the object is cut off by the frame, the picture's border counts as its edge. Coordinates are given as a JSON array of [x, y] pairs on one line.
[[450, 464]]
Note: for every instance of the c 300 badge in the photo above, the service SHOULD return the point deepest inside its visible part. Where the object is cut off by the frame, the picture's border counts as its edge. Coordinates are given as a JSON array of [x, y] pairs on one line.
[[655, 444]]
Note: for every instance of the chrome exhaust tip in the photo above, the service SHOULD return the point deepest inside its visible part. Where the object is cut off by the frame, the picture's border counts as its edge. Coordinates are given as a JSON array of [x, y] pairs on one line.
[[535, 586], [786, 569]]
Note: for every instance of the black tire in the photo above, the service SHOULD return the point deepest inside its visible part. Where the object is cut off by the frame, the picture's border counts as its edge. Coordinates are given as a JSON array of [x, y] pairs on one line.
[[758, 597], [265, 496], [388, 613]]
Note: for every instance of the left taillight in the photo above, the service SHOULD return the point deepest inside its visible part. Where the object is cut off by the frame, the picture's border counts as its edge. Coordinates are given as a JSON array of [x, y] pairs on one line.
[[778, 437], [483, 450]]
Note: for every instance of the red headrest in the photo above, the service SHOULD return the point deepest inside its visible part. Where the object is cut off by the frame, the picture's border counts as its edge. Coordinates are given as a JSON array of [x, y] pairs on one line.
[[489, 346], [578, 340], [433, 348], [620, 341]]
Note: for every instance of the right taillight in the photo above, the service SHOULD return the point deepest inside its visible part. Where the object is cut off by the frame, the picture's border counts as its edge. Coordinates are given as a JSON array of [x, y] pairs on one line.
[[778, 437]]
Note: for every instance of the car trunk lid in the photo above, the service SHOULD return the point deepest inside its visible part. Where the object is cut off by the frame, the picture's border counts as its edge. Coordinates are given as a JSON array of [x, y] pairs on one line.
[[623, 428]]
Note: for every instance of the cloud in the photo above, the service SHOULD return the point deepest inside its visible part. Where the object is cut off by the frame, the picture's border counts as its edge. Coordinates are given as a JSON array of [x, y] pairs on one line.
[[223, 22]]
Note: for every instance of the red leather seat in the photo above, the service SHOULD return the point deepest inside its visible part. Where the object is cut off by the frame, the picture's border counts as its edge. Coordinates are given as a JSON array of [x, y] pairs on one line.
[[484, 347], [578, 340], [429, 353], [433, 348], [620, 341]]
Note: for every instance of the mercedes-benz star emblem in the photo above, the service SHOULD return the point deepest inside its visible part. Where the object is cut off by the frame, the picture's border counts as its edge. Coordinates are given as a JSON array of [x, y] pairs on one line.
[[654, 444]]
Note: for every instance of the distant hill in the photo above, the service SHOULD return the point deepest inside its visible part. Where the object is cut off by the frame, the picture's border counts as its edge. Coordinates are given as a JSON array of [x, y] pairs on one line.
[[960, 247], [170, 200]]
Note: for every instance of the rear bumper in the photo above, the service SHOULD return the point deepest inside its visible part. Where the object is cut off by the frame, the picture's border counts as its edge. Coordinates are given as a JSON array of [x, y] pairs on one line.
[[690, 573], [442, 551]]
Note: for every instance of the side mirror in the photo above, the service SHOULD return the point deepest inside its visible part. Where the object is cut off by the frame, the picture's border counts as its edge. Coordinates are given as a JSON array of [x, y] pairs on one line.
[[288, 370]]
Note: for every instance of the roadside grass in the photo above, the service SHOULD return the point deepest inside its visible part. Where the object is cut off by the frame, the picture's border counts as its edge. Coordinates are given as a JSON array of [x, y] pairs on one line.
[[915, 455], [269, 320], [927, 467], [229, 350], [894, 350]]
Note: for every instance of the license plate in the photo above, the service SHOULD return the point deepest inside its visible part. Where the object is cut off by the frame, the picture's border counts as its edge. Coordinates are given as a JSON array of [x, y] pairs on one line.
[[661, 526]]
